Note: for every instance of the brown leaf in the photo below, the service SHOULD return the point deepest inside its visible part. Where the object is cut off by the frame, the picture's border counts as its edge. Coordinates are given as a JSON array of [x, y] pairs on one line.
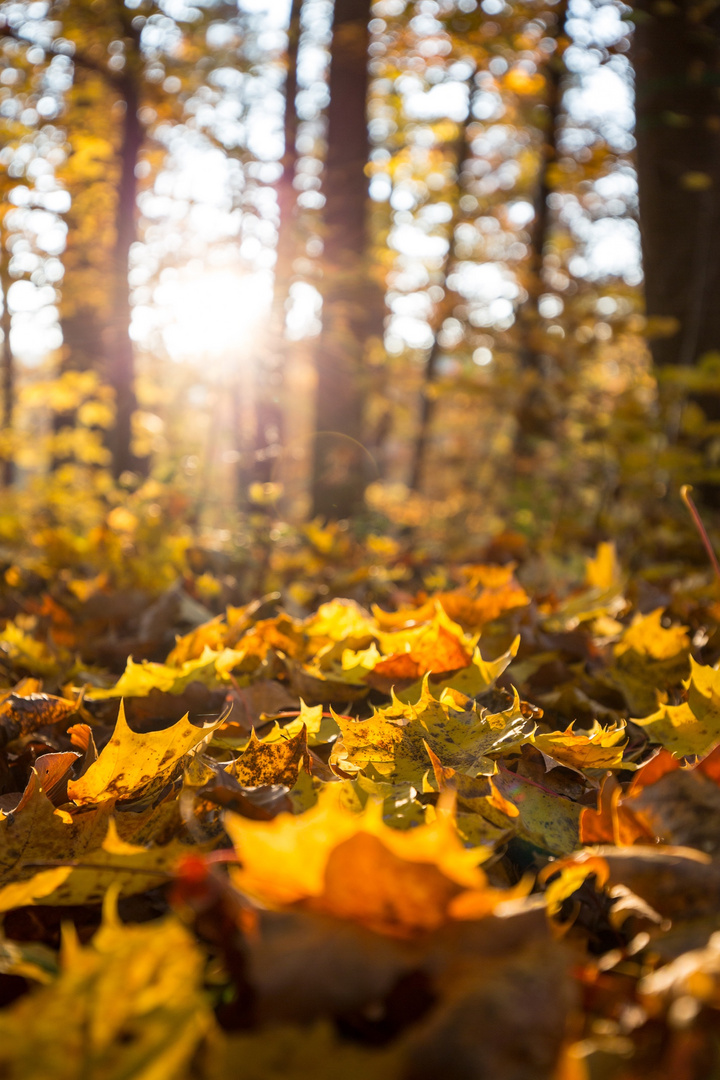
[[612, 822], [25, 714], [278, 762]]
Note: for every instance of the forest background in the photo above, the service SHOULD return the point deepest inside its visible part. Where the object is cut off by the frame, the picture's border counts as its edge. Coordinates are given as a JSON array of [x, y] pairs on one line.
[[208, 321], [359, 688]]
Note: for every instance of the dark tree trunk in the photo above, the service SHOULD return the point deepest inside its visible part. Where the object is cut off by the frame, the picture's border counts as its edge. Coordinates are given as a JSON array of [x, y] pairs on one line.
[[84, 302], [269, 393], [8, 370], [119, 351], [352, 301], [676, 55], [95, 305], [535, 413], [528, 316], [428, 399]]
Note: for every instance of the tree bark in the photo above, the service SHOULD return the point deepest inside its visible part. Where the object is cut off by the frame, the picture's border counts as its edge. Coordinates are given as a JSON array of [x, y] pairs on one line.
[[8, 368], [119, 351], [352, 301], [676, 55], [85, 302], [269, 392], [535, 413], [528, 316], [428, 401]]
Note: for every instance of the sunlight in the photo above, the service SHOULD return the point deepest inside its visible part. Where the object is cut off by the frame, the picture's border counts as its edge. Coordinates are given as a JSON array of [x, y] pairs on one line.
[[213, 315]]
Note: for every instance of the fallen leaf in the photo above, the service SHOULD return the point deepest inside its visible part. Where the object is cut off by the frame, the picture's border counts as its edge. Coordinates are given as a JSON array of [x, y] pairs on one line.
[[132, 760], [277, 762], [392, 742], [354, 867], [80, 1024], [613, 822]]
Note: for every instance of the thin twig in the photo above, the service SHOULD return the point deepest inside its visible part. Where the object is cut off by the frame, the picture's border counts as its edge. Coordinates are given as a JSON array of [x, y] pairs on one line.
[[697, 520]]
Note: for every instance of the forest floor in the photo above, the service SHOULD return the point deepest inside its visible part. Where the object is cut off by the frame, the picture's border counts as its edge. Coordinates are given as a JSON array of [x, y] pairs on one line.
[[336, 808]]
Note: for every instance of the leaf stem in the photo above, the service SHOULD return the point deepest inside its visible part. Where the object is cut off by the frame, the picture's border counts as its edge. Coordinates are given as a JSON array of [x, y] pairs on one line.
[[697, 520]]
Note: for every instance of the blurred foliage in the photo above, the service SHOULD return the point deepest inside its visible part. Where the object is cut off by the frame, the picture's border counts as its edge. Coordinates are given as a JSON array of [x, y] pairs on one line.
[[460, 751]]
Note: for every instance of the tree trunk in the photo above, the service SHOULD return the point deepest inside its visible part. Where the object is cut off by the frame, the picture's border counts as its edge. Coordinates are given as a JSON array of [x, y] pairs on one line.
[[8, 369], [676, 54], [428, 399], [535, 413], [119, 351], [528, 316], [95, 307], [84, 294], [269, 391], [352, 301]]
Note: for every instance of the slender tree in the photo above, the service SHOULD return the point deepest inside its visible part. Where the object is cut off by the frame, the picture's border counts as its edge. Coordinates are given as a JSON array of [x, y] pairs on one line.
[[269, 392], [102, 226], [119, 350], [352, 301], [428, 399], [7, 364], [676, 55], [553, 72], [534, 413]]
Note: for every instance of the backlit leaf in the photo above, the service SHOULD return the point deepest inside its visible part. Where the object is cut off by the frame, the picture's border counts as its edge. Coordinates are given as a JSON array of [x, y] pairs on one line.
[[596, 748], [211, 669], [354, 867], [129, 1004], [392, 742], [694, 726], [132, 760]]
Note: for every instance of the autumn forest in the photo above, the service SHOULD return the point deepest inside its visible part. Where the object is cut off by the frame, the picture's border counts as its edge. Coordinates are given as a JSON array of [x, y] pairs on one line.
[[359, 540]]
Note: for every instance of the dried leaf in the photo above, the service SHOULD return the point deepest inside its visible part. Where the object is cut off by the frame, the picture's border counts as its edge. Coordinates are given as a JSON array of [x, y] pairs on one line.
[[354, 867], [80, 1024], [132, 760], [392, 742]]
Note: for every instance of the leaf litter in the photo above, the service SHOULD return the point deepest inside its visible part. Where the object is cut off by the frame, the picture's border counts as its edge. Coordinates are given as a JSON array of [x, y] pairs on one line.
[[471, 833]]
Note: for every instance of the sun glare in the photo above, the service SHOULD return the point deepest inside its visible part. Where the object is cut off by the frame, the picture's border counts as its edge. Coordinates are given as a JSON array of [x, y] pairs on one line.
[[214, 315]]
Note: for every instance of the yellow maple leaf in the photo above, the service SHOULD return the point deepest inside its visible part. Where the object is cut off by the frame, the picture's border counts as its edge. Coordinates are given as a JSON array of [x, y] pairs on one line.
[[648, 658], [694, 726], [341, 620], [392, 742], [82, 1024], [276, 762], [36, 832], [133, 760], [210, 668], [129, 868], [597, 748], [355, 867], [478, 676], [571, 873], [603, 572], [648, 637]]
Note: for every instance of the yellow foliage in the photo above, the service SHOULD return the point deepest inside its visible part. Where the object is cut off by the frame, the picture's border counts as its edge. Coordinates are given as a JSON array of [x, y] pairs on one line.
[[603, 572], [694, 726], [355, 867], [597, 748], [131, 760], [392, 743], [128, 1004], [647, 637]]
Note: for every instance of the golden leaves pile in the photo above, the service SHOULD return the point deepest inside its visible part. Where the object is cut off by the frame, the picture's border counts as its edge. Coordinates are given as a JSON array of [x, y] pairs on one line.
[[474, 833]]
